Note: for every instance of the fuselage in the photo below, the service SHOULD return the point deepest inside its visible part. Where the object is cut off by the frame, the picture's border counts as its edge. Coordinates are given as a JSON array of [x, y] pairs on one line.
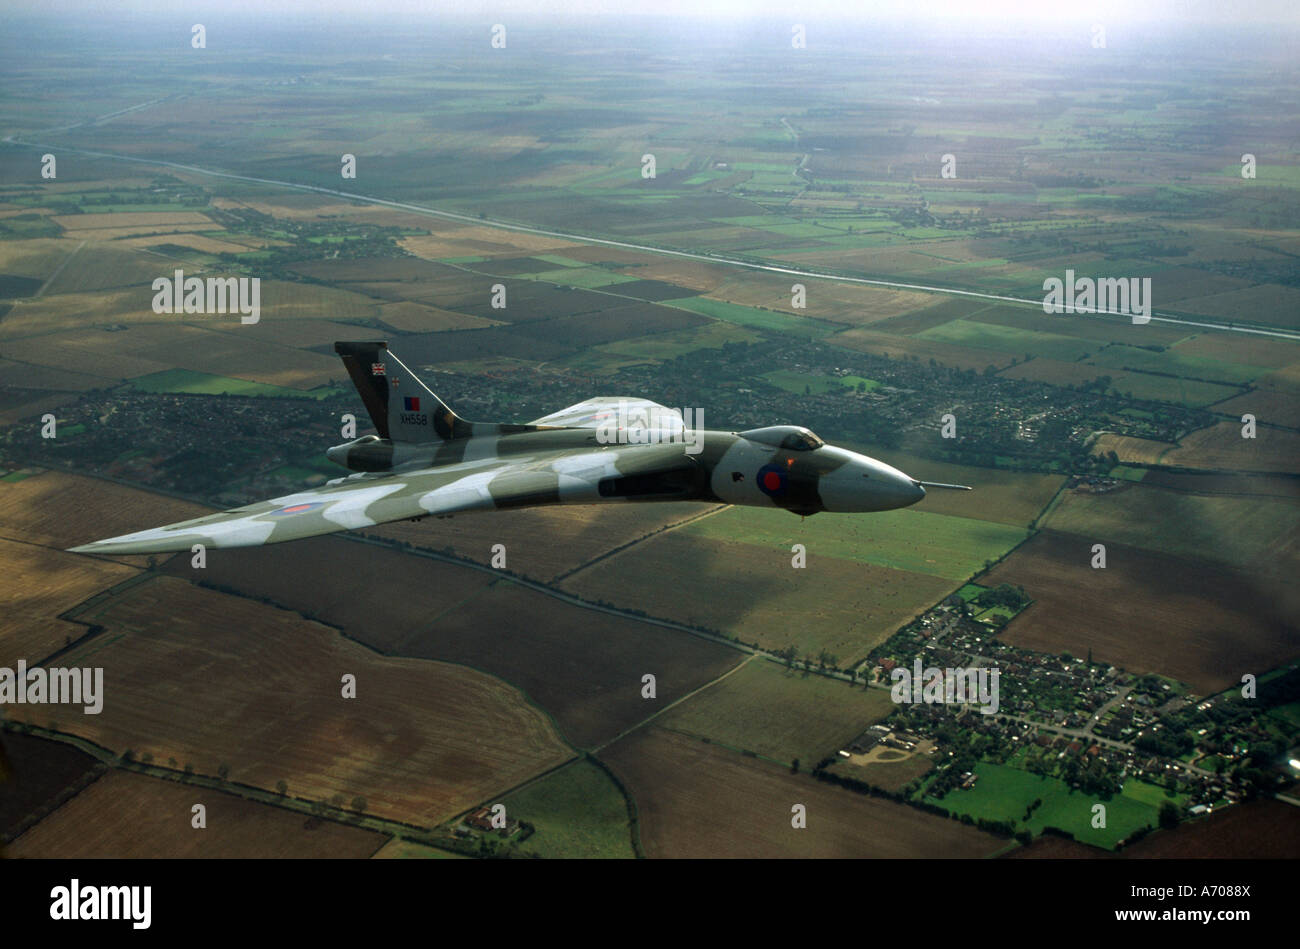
[[780, 466]]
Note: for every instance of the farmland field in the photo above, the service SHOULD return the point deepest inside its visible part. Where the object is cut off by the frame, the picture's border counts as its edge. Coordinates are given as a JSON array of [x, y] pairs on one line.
[[916, 541], [41, 773], [546, 542], [699, 800], [752, 317], [35, 510], [578, 811], [1249, 532], [130, 815], [202, 383], [779, 714], [1222, 447], [1146, 611], [1003, 793], [1141, 451], [425, 609], [988, 336], [1257, 830], [177, 657], [42, 583], [750, 591]]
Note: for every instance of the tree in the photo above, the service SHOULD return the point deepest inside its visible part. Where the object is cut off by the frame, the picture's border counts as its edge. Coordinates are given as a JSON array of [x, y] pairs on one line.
[[281, 787], [1168, 815]]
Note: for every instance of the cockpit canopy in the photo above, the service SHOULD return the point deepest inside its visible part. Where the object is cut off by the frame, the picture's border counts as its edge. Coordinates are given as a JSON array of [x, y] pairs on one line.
[[789, 437]]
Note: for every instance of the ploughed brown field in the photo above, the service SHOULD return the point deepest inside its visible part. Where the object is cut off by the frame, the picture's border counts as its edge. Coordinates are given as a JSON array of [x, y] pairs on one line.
[[60, 510], [582, 666], [134, 816], [372, 588], [1201, 623], [211, 679], [699, 800], [1221, 447], [1257, 830], [1051, 847], [35, 775], [41, 583]]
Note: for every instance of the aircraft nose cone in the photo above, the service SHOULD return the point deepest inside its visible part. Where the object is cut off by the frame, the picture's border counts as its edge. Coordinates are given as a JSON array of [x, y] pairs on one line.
[[905, 491], [865, 484], [889, 488]]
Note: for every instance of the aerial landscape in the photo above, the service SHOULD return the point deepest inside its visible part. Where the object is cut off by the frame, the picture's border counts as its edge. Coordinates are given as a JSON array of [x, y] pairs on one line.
[[1056, 262]]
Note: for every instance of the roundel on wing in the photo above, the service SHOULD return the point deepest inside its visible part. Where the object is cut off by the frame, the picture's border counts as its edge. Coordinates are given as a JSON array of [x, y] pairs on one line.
[[297, 508], [772, 480]]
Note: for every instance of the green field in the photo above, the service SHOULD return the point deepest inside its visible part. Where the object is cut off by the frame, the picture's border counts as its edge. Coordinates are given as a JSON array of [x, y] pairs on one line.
[[1008, 339], [801, 382], [1288, 715], [1005, 612], [578, 811], [560, 261], [1004, 793], [779, 714], [954, 548], [1128, 473], [1192, 392], [751, 316], [1117, 356], [673, 344], [186, 381]]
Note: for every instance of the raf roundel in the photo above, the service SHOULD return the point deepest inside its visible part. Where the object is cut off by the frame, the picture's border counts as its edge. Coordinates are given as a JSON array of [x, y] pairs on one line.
[[771, 480], [297, 508]]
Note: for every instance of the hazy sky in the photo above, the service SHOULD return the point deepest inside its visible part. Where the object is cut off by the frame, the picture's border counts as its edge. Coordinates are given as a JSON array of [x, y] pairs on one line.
[[1010, 12]]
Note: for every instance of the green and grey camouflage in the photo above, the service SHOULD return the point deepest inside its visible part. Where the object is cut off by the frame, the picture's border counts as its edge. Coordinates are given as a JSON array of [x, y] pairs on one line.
[[426, 460]]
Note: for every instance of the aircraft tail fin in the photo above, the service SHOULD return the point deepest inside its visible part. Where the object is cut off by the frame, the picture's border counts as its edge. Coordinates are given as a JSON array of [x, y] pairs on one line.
[[402, 407]]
